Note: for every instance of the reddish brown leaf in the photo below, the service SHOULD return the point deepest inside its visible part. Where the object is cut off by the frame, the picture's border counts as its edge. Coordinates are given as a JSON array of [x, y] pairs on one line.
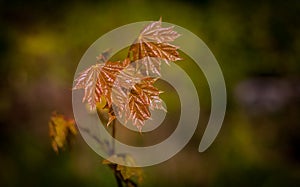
[[97, 81], [156, 33], [153, 43], [140, 100]]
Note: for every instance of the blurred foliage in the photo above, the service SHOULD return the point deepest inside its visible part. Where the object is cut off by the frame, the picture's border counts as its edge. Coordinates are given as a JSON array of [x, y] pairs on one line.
[[41, 43], [61, 131]]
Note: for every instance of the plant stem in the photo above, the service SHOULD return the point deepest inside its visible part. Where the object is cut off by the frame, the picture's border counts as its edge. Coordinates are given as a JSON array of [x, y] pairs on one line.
[[116, 173], [119, 180], [113, 136]]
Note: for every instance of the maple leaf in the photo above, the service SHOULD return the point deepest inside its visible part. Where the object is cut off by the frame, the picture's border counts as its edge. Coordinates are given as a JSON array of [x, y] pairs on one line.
[[97, 81], [151, 44], [156, 33], [60, 131], [142, 97], [134, 101]]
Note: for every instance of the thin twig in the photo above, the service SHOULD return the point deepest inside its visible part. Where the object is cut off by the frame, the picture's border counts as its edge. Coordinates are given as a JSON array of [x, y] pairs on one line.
[[118, 177], [113, 136]]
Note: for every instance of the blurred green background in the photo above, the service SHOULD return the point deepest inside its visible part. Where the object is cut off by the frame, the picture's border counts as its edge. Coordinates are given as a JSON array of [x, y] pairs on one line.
[[257, 45]]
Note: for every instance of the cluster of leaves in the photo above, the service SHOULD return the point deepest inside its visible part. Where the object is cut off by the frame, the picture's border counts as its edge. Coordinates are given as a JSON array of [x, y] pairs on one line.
[[125, 173], [128, 85], [61, 131], [124, 88]]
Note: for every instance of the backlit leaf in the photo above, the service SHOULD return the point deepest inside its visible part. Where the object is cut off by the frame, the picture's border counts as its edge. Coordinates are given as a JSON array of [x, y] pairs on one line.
[[153, 43], [97, 81], [156, 33], [142, 97]]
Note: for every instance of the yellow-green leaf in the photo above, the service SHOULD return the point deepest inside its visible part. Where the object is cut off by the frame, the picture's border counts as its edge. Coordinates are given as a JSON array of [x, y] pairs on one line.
[[60, 131]]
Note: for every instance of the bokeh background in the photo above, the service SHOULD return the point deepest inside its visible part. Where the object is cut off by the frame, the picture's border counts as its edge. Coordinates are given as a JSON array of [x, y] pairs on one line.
[[257, 45]]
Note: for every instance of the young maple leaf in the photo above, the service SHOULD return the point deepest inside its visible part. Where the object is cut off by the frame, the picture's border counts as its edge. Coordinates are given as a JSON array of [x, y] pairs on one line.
[[60, 131], [155, 33], [133, 101], [142, 97], [151, 44], [97, 81]]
